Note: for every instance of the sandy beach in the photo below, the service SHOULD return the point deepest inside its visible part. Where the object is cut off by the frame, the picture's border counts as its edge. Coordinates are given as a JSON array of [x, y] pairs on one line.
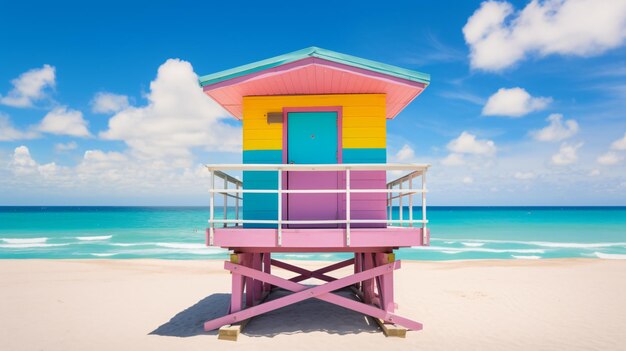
[[573, 304]]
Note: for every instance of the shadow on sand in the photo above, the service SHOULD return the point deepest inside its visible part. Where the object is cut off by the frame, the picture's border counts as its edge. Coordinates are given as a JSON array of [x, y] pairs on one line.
[[304, 317]]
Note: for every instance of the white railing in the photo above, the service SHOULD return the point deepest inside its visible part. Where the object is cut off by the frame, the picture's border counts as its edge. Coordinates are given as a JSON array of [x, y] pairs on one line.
[[233, 187]]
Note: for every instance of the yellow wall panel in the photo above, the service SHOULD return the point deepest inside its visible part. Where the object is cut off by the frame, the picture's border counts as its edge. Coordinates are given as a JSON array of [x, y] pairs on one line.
[[364, 119], [371, 132], [362, 122], [254, 144], [364, 143]]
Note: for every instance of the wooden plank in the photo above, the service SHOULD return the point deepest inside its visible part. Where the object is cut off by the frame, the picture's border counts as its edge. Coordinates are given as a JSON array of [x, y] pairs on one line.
[[231, 332], [391, 330]]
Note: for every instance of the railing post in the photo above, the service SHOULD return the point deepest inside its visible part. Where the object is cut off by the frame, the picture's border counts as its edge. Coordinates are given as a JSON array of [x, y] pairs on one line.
[[390, 204], [347, 207], [225, 201], [425, 238], [237, 195], [211, 208], [400, 209], [280, 207], [410, 202]]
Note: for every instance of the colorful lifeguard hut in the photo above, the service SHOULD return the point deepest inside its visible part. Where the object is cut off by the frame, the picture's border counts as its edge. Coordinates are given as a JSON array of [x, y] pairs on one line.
[[315, 177]]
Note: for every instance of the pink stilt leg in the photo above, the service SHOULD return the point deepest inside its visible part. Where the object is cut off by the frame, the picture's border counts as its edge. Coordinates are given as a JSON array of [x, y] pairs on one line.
[[357, 267], [258, 285], [236, 298], [385, 285], [249, 281], [267, 268], [368, 285]]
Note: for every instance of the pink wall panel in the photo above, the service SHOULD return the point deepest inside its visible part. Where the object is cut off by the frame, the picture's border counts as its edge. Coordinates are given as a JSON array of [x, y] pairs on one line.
[[312, 206], [365, 205]]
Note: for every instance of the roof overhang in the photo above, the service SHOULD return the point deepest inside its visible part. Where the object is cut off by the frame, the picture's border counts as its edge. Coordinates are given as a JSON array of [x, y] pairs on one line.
[[314, 71]]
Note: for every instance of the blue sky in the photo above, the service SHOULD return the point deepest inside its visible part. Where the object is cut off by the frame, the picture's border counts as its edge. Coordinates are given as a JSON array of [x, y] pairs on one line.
[[527, 103]]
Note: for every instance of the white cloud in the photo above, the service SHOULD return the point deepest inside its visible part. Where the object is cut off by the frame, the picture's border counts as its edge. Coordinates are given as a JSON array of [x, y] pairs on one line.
[[467, 180], [594, 172], [610, 158], [498, 36], [405, 154], [103, 174], [567, 154], [177, 118], [613, 156], [556, 129], [9, 133], [29, 87], [524, 175], [22, 162], [467, 143], [104, 102], [453, 160], [64, 121], [514, 102], [60, 147], [619, 144]]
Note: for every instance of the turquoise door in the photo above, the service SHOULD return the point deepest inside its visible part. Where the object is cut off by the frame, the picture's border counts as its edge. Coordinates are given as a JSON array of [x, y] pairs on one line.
[[312, 139]]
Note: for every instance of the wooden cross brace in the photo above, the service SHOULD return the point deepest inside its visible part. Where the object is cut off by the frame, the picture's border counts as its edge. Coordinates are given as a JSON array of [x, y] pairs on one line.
[[302, 292], [318, 273]]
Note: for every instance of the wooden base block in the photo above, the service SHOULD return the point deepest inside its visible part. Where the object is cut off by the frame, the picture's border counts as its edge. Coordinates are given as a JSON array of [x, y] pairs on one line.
[[391, 330], [231, 332]]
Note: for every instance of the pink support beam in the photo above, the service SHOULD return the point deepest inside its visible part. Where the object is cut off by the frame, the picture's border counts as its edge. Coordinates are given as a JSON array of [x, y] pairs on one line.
[[303, 273], [302, 292], [318, 273]]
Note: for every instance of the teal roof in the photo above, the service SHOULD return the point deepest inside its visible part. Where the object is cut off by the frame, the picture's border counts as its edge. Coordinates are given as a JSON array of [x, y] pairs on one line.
[[318, 53]]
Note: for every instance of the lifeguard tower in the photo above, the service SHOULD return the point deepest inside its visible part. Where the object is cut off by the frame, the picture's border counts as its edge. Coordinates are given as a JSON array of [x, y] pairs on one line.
[[315, 177]]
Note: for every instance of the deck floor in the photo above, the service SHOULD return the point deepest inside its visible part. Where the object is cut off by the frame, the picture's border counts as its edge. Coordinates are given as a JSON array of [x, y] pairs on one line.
[[317, 239]]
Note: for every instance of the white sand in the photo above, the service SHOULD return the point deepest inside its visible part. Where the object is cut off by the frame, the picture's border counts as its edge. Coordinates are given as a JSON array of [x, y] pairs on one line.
[[160, 305]]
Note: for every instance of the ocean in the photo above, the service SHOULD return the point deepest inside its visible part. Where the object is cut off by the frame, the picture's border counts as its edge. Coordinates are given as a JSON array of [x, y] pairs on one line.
[[457, 233]]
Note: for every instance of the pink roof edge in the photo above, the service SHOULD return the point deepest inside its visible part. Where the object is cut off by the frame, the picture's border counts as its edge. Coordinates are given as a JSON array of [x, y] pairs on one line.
[[313, 76]]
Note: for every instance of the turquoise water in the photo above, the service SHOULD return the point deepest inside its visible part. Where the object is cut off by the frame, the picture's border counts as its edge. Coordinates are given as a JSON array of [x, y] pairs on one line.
[[178, 233]]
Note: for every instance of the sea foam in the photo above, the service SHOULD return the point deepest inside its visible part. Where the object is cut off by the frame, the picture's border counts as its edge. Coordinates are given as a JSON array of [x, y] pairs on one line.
[[104, 254], [129, 244], [473, 244], [24, 240], [551, 244], [94, 238], [529, 257], [607, 256], [185, 246], [28, 245], [475, 249]]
